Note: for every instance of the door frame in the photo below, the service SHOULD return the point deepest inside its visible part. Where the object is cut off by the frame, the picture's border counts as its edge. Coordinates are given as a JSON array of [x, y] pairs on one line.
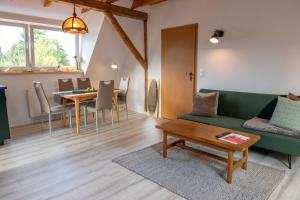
[[195, 61]]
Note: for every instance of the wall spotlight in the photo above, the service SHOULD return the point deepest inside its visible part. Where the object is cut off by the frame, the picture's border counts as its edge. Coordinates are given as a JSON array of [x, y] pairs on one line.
[[216, 36], [114, 66]]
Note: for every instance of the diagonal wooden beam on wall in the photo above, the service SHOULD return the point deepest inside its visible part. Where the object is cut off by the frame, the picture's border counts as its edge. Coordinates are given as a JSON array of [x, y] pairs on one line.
[[140, 3], [143, 61], [105, 7], [114, 22]]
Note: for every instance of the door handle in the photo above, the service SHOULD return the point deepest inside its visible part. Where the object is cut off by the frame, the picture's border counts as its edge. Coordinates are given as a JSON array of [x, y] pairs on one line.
[[191, 74]]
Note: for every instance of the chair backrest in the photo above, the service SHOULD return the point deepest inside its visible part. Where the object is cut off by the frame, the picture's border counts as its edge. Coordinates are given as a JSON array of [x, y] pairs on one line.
[[83, 83], [45, 106], [124, 85], [105, 95], [65, 85]]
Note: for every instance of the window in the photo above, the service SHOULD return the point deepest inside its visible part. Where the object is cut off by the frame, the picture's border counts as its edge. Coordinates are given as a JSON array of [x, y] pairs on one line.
[[13, 45], [26, 45], [52, 47]]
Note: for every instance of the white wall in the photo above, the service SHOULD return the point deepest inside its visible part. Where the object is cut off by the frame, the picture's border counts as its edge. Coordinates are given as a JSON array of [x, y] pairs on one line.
[[33, 11], [17, 104], [260, 50], [94, 21], [110, 49]]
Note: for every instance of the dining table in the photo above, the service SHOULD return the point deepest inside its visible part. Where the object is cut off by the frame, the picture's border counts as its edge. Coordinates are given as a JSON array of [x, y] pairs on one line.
[[66, 97]]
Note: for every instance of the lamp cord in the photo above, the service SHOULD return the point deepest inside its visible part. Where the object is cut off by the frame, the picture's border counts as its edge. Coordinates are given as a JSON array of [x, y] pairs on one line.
[[74, 11]]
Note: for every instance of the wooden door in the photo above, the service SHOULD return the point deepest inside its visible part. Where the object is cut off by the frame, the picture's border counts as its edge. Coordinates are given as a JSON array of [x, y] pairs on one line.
[[179, 53]]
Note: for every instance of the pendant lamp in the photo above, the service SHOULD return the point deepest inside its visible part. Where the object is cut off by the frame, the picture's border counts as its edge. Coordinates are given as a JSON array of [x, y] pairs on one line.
[[74, 25]]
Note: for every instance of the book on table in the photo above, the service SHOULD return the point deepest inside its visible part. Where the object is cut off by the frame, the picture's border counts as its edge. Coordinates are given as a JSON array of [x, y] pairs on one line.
[[233, 138]]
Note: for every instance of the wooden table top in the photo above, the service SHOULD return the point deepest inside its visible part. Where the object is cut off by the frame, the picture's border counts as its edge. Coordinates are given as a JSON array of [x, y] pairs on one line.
[[203, 133], [70, 94]]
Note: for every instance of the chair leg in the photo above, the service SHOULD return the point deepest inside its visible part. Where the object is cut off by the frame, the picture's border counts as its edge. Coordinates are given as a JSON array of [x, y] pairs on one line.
[[290, 161], [126, 111], [85, 116], [42, 120], [70, 119], [113, 117], [103, 116], [96, 121], [50, 125]]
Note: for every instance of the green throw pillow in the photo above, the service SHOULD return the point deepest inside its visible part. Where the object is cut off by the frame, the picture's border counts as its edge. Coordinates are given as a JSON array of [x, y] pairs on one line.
[[287, 114]]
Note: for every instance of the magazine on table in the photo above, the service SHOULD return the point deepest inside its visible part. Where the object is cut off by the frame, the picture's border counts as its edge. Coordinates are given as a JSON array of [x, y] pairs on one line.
[[233, 138]]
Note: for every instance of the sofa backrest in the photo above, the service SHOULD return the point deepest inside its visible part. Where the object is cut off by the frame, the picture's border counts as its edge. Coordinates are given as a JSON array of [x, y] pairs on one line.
[[245, 105]]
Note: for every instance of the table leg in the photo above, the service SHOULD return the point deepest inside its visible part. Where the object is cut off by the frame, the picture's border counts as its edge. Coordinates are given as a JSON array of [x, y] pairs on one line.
[[229, 167], [77, 113], [245, 155], [116, 107], [65, 114], [165, 144]]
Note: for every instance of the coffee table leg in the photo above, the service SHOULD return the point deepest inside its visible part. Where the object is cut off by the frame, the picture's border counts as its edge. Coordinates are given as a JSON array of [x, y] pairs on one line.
[[183, 142], [229, 167], [245, 154], [165, 144]]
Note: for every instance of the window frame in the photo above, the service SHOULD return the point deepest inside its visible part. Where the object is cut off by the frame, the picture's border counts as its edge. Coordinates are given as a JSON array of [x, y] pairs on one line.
[[26, 43], [29, 43], [46, 28]]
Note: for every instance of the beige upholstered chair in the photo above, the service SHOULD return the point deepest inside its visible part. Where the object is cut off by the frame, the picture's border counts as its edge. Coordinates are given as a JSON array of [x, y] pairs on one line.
[[122, 96], [103, 101], [83, 83], [47, 108], [65, 85]]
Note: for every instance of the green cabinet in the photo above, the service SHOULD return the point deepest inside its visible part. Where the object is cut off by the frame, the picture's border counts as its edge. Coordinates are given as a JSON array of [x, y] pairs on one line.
[[4, 126]]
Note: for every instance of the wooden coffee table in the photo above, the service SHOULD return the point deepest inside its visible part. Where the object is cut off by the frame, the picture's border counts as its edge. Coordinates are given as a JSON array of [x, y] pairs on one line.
[[205, 135]]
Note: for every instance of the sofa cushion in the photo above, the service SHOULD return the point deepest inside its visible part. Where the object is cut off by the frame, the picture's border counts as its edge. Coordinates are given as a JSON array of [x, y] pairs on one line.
[[287, 114], [245, 105], [293, 97], [264, 125], [205, 104], [275, 142], [222, 121]]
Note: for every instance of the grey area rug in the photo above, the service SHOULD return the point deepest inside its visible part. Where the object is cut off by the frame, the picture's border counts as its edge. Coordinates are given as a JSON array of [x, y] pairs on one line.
[[196, 177]]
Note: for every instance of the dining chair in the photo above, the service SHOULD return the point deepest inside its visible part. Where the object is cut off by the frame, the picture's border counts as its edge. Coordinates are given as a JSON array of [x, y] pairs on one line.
[[103, 101], [83, 83], [122, 96], [46, 108], [65, 85]]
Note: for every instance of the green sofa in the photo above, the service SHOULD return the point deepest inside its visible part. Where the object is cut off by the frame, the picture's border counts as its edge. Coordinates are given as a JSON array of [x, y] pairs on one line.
[[236, 107]]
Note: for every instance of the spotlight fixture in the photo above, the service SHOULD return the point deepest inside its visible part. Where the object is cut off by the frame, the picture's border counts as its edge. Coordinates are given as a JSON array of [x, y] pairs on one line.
[[216, 36], [114, 66], [74, 25]]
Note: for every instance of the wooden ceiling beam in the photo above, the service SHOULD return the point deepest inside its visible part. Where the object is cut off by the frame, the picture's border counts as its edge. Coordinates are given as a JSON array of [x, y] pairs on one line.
[[114, 22], [140, 3], [105, 7], [47, 3], [84, 10], [108, 1]]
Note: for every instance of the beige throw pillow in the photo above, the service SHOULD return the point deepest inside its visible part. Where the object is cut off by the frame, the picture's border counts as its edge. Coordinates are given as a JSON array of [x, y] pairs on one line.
[[205, 104], [293, 97]]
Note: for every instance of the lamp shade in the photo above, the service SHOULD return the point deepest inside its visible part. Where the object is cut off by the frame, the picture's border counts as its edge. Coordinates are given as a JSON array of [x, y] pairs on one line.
[[216, 36], [74, 25]]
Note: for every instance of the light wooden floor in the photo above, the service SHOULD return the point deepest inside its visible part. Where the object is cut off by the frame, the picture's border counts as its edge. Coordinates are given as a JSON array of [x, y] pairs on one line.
[[36, 166]]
